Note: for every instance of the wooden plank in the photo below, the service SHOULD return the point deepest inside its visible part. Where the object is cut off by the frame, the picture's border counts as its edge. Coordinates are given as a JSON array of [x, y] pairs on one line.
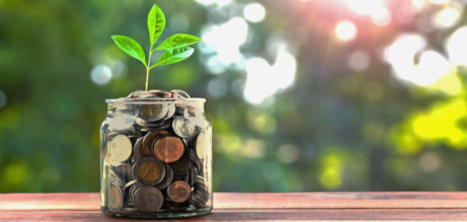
[[49, 201], [279, 214], [256, 206], [331, 200], [383, 200]]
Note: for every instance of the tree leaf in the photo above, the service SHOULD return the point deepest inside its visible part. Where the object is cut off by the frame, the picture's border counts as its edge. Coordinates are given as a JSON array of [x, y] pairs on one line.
[[156, 23], [131, 47], [174, 56], [178, 41]]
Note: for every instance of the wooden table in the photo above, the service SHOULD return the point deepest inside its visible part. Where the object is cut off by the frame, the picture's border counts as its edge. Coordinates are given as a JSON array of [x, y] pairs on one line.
[[256, 206]]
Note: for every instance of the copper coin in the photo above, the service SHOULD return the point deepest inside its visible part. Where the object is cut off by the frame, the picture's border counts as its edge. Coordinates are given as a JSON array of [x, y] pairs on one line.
[[179, 191], [148, 170], [181, 166], [148, 141], [169, 149], [148, 199], [138, 149], [169, 174], [115, 197]]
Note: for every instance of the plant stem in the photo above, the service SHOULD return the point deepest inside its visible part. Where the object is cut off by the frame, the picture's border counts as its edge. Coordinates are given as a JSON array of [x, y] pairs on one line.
[[148, 69]]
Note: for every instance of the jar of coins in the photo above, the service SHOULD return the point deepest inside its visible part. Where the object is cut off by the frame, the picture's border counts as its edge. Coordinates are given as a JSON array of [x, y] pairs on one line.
[[156, 156]]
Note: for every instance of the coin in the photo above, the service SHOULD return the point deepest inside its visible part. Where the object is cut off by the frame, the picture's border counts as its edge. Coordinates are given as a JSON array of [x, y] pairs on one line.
[[179, 191], [135, 94], [125, 171], [120, 148], [159, 93], [169, 149], [181, 166], [138, 149], [115, 197], [148, 141], [167, 178], [133, 189], [179, 93], [193, 176], [195, 159], [143, 123], [171, 111], [148, 170], [201, 145], [153, 112], [182, 177], [183, 127], [148, 199]]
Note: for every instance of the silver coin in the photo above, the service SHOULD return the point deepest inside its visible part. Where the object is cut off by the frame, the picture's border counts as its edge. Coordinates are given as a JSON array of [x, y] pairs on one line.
[[171, 111], [135, 94], [180, 93], [120, 149], [183, 127], [193, 176], [148, 199], [167, 178], [145, 124]]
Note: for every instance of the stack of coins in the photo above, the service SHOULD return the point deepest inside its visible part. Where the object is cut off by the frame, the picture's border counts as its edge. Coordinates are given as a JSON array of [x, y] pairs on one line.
[[158, 164]]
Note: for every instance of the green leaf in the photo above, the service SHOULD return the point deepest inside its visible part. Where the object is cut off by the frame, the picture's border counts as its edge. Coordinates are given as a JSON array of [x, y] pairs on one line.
[[131, 47], [156, 23], [174, 56], [178, 41]]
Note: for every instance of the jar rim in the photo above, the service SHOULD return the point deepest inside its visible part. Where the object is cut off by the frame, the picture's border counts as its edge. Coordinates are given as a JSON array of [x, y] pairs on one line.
[[154, 100]]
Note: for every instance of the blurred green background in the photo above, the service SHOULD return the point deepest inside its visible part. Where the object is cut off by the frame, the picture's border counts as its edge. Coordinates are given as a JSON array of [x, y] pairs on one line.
[[348, 95]]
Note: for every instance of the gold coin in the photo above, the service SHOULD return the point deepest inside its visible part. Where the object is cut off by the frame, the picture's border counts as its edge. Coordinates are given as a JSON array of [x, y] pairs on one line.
[[115, 198], [151, 111], [148, 171]]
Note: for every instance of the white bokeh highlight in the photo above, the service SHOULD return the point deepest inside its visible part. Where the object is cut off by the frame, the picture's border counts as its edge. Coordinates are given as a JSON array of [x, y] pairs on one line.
[[401, 53], [101, 74], [254, 12]]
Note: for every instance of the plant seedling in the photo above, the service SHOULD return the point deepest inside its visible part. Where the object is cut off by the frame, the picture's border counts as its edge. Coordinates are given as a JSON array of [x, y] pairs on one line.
[[176, 46]]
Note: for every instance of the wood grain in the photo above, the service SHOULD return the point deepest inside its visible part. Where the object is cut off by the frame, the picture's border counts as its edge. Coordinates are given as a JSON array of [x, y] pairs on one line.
[[256, 206]]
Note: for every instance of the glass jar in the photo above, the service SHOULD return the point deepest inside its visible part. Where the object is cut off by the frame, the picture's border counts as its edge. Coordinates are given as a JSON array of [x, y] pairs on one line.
[[156, 158]]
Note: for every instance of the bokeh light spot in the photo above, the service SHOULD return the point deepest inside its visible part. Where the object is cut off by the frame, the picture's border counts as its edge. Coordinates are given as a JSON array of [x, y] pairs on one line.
[[381, 17], [254, 149], [346, 31], [254, 12], [359, 61], [446, 18], [429, 162], [287, 153], [15, 173], [101, 74], [456, 46], [439, 1]]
